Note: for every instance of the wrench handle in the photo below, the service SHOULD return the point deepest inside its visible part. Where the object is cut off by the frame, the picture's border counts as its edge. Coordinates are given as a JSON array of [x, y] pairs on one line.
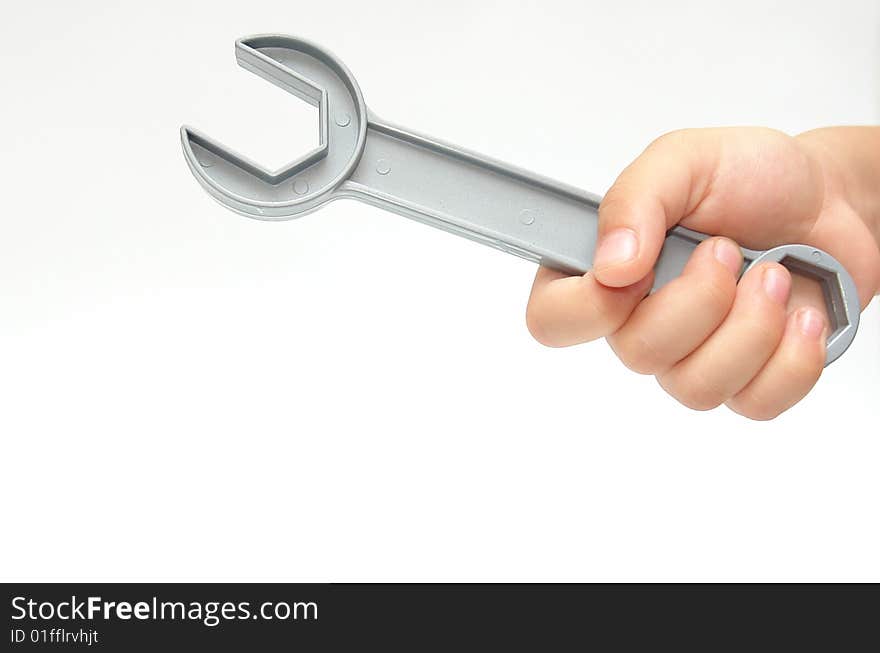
[[543, 220], [475, 196]]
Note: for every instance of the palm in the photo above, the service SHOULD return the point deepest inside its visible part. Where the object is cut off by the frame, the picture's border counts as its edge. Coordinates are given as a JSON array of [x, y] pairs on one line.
[[769, 189]]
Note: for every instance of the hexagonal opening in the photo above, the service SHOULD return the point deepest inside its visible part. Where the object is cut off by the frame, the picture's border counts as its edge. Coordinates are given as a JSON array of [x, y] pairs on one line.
[[830, 286]]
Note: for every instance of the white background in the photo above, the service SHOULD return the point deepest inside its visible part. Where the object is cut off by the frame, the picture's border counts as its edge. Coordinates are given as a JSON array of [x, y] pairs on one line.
[[188, 394]]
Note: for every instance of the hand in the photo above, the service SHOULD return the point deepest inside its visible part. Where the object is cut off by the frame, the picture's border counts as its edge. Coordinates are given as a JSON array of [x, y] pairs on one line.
[[757, 346]]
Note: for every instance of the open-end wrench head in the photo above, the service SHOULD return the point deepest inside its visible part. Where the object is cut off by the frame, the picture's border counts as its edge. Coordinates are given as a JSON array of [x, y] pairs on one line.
[[316, 76]]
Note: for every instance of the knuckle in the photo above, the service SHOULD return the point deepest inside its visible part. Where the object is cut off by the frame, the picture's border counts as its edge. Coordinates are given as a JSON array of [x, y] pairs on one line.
[[536, 323], [618, 200], [692, 390], [805, 367], [764, 332], [758, 325], [799, 370], [801, 366], [675, 138], [697, 401], [636, 352], [716, 291], [755, 407]]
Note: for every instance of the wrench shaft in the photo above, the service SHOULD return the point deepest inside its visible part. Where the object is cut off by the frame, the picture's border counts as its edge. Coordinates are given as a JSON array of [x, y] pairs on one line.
[[493, 203], [472, 195]]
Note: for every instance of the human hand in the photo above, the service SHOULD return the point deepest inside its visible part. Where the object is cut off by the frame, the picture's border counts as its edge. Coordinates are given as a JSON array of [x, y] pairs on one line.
[[757, 346]]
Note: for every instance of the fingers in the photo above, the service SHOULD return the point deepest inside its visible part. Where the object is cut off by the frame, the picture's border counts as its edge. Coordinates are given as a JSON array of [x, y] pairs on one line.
[[732, 356], [565, 310], [708, 340], [678, 318], [663, 185], [790, 373]]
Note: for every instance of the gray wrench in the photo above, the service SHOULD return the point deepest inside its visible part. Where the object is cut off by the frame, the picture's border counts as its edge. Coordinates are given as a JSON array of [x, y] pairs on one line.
[[446, 186]]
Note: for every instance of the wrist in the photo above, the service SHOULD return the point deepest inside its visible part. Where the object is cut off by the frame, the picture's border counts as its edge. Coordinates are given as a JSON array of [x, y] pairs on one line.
[[850, 162]]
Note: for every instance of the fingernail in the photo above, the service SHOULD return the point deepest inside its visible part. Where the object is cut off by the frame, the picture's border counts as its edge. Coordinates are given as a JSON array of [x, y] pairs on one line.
[[810, 322], [728, 254], [616, 247], [777, 284]]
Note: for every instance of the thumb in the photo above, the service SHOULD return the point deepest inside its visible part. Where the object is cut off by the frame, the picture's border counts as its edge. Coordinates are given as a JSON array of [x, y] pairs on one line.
[[664, 184]]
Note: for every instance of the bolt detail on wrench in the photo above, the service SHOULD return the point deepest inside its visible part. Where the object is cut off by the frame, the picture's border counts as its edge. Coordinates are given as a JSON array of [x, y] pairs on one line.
[[363, 157]]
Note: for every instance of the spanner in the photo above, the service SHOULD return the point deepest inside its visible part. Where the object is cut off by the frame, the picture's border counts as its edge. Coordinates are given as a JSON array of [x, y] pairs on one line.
[[443, 185]]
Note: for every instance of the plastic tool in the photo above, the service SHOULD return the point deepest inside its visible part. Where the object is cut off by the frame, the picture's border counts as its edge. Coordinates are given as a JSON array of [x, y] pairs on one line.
[[516, 211]]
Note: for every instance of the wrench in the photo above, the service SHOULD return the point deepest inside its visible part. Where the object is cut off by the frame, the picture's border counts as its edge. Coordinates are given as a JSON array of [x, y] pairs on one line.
[[362, 156]]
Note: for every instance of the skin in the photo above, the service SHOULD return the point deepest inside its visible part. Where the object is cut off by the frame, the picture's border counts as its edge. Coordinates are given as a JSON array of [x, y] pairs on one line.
[[758, 345]]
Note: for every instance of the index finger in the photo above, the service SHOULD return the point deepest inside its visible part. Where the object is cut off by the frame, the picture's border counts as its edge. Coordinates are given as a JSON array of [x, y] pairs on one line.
[[566, 310]]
